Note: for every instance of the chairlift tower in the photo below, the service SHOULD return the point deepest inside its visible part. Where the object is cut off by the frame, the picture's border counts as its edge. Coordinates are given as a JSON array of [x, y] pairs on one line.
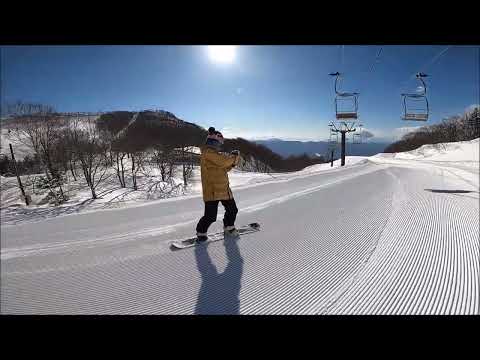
[[346, 114], [332, 145], [343, 129]]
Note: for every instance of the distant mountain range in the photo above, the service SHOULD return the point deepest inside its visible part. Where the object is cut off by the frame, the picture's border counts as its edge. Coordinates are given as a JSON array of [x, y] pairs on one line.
[[287, 148]]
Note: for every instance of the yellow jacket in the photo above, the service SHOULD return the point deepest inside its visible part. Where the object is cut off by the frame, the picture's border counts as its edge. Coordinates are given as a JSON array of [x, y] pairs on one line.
[[214, 167]]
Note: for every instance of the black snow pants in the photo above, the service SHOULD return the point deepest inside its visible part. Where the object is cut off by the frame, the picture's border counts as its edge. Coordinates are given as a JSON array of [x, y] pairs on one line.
[[210, 215]]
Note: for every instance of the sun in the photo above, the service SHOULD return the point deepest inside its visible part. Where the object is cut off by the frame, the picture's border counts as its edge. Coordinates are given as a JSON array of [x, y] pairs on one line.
[[221, 53]]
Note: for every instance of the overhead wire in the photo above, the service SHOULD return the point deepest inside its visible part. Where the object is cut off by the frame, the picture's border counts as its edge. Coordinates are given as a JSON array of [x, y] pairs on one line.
[[423, 68], [377, 58]]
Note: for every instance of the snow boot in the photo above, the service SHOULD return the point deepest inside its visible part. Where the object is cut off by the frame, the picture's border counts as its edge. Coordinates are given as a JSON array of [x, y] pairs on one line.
[[230, 231], [202, 237]]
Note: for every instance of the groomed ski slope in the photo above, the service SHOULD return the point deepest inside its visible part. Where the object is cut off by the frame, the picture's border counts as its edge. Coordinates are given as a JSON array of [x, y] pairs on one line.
[[386, 235]]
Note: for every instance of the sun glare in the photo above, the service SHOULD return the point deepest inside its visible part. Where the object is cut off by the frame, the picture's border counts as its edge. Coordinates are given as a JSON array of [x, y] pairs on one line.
[[221, 53]]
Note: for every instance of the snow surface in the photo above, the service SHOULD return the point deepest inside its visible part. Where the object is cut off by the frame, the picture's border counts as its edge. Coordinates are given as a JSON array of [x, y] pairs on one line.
[[389, 234]]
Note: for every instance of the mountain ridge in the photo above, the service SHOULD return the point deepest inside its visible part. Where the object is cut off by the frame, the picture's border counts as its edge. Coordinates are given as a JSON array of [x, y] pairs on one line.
[[294, 147]]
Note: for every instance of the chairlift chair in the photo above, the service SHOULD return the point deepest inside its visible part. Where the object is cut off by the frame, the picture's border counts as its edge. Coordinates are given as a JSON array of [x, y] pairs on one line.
[[415, 106], [346, 104], [358, 138], [333, 139], [332, 143]]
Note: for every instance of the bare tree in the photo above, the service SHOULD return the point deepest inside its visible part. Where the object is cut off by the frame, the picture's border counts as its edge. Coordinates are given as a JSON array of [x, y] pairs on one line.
[[66, 150], [258, 165], [90, 151], [39, 128], [187, 163], [72, 165], [119, 167], [163, 157], [20, 185], [115, 148], [470, 124], [454, 128], [138, 159]]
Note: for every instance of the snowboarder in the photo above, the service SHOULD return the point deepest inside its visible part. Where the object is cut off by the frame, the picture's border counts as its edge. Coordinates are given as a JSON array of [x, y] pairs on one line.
[[214, 167]]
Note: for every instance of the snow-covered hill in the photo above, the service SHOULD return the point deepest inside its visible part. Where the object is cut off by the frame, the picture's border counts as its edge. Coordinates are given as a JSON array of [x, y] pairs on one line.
[[458, 152]]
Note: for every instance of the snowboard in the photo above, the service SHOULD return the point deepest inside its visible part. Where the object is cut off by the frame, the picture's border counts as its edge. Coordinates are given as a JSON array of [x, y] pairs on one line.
[[191, 242]]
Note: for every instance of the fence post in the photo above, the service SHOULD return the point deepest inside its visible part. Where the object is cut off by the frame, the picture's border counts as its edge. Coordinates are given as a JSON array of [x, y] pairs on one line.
[[18, 176]]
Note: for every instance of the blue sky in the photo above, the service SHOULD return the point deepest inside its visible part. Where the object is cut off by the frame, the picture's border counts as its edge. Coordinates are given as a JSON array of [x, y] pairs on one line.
[[267, 91]]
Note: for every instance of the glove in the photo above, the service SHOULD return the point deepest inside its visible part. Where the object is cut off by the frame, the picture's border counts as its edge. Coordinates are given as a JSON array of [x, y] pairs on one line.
[[236, 153]]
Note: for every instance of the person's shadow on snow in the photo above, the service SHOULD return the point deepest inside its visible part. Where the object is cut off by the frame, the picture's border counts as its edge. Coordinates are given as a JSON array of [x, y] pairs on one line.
[[219, 292]]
